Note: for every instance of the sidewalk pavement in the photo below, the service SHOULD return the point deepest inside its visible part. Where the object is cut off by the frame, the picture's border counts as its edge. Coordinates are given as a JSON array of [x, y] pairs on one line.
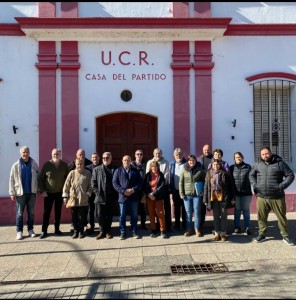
[[149, 267]]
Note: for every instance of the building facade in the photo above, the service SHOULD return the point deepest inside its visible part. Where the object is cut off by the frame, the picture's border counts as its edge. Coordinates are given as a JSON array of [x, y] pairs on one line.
[[116, 77]]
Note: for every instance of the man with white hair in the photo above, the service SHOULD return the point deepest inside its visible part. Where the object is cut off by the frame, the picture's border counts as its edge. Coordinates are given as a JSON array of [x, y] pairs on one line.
[[176, 166], [23, 189], [51, 182]]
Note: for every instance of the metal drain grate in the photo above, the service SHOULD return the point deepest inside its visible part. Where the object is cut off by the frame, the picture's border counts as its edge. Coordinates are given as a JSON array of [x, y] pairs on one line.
[[202, 268]]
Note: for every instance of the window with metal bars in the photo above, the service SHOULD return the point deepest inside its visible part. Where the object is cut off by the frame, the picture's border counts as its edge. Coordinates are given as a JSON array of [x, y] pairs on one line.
[[272, 102]]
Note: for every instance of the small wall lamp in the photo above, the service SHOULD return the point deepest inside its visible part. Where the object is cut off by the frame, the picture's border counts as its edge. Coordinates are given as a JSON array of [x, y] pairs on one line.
[[14, 128], [234, 123]]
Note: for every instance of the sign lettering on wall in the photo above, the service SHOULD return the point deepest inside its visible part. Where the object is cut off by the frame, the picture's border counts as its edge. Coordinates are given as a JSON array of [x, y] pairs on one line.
[[125, 59]]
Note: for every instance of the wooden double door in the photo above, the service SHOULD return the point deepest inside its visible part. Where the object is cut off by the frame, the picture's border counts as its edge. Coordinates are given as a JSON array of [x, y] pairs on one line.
[[124, 133]]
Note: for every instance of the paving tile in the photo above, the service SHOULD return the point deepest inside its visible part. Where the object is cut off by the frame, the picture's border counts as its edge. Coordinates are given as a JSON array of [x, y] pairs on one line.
[[131, 252], [101, 254], [204, 258], [154, 251], [230, 256], [156, 260], [106, 262], [176, 250], [130, 261]]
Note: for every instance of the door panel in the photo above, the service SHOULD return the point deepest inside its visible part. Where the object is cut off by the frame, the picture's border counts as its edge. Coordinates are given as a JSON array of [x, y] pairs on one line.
[[124, 133]]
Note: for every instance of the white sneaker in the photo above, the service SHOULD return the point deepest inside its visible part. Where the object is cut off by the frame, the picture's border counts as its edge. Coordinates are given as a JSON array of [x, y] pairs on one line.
[[31, 233], [19, 235]]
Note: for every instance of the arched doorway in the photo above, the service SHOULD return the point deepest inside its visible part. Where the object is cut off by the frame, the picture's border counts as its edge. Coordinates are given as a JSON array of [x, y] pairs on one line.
[[124, 133]]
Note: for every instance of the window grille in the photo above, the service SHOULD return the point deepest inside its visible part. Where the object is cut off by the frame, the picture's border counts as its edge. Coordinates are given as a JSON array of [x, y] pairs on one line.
[[272, 117]]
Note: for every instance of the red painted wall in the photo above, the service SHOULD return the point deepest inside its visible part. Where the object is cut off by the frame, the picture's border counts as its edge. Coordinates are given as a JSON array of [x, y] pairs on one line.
[[203, 66], [181, 66]]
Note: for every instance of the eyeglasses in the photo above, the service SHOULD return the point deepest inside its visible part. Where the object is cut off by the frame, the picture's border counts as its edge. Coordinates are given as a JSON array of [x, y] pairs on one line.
[[139, 154], [106, 157]]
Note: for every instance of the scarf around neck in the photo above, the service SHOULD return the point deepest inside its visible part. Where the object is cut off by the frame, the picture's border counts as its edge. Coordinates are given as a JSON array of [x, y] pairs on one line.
[[216, 180]]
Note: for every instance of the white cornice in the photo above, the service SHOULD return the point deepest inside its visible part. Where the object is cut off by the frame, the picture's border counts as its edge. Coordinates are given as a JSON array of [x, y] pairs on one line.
[[123, 35], [123, 29]]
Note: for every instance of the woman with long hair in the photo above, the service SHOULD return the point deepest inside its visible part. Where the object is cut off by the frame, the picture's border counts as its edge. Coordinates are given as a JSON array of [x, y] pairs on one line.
[[191, 174], [243, 192], [218, 196]]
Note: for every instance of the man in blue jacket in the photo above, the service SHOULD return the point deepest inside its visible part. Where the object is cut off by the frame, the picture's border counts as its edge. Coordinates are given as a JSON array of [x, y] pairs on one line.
[[127, 181], [269, 178]]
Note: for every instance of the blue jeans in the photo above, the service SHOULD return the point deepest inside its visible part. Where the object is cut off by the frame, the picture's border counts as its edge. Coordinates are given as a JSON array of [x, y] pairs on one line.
[[26, 200], [193, 205], [242, 203], [133, 206]]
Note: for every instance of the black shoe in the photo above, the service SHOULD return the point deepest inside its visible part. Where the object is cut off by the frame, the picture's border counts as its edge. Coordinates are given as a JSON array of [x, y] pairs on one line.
[[164, 235], [153, 234], [75, 235], [58, 232], [122, 236], [260, 238], [288, 241], [248, 231], [81, 235], [136, 236], [43, 235], [237, 230]]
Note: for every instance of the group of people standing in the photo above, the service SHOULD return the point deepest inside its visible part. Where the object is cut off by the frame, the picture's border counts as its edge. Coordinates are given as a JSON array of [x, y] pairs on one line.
[[184, 187]]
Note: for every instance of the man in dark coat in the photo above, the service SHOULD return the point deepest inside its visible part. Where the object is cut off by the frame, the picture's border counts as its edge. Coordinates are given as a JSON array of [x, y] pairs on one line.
[[127, 181], [269, 178], [205, 159], [105, 195], [95, 158], [175, 167]]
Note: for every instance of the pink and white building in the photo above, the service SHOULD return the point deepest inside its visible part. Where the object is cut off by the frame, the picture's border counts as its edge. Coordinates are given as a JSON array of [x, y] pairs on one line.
[[117, 76]]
